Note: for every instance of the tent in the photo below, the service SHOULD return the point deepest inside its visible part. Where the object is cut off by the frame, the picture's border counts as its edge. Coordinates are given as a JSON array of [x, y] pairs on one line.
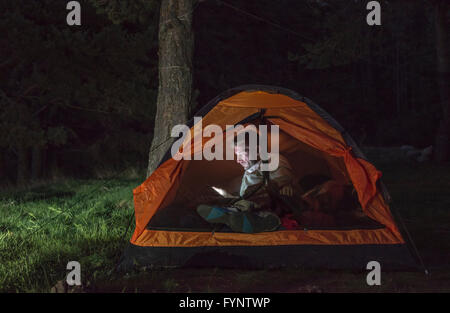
[[169, 234]]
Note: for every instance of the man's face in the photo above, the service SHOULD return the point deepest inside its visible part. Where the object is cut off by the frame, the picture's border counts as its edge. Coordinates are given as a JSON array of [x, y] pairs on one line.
[[242, 156]]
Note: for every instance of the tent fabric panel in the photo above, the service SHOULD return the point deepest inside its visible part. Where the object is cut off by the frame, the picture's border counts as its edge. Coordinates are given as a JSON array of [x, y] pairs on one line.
[[153, 191], [162, 238], [260, 99], [363, 174], [303, 116], [284, 106]]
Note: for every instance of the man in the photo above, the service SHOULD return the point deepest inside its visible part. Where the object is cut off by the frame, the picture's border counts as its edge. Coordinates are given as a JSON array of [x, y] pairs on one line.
[[253, 176], [261, 194]]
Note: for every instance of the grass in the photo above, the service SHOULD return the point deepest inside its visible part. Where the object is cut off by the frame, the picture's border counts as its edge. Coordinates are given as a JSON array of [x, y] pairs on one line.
[[44, 227]]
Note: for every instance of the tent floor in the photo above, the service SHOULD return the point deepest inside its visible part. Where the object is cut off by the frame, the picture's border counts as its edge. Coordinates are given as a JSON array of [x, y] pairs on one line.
[[390, 257], [183, 218]]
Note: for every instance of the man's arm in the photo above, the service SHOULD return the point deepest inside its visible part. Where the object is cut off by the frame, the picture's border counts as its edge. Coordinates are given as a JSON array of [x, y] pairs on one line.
[[285, 178]]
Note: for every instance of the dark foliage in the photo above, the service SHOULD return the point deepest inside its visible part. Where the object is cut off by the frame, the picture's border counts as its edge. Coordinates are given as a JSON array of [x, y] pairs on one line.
[[75, 100]]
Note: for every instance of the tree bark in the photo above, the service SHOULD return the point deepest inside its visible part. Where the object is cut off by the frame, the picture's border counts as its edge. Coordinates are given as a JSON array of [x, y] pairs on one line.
[[442, 149], [176, 45], [22, 165], [2, 167], [36, 163]]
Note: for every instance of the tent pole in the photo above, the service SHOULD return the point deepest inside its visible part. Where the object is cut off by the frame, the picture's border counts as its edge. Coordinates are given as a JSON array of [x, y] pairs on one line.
[[410, 241], [123, 238]]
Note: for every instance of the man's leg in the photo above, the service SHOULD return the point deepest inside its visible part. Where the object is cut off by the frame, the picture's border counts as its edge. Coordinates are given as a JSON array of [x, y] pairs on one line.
[[244, 221], [293, 205]]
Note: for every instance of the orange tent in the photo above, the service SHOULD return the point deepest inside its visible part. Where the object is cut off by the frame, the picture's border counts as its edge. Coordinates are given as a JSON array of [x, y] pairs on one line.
[[315, 144]]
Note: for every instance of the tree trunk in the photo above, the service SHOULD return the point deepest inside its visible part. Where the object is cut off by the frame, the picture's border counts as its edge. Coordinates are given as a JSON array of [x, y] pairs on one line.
[[36, 163], [175, 75], [53, 163], [397, 79], [442, 149], [2, 168], [22, 165]]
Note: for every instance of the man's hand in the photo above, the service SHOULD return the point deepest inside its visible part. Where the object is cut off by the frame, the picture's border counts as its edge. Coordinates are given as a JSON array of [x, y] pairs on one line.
[[287, 191]]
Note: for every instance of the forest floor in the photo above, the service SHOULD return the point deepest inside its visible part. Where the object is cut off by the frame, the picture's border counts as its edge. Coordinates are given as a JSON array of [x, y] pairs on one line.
[[45, 226]]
